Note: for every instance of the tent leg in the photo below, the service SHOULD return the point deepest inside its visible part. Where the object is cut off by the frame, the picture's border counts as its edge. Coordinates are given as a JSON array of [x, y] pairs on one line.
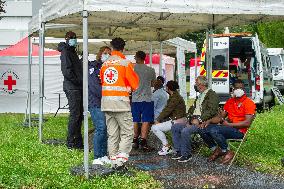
[[151, 54], [161, 60], [85, 91], [41, 80], [30, 80]]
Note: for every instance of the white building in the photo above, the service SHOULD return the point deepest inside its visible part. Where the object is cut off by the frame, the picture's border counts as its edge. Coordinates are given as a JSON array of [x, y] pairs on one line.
[[14, 23]]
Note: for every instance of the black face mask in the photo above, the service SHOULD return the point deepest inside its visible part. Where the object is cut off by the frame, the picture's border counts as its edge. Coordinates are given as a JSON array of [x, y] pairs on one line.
[[195, 88]]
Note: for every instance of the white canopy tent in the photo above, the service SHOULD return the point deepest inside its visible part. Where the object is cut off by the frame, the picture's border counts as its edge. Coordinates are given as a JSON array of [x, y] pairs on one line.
[[143, 20]]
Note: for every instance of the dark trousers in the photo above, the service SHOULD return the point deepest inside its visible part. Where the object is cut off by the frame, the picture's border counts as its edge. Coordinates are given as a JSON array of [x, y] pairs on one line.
[[75, 101], [214, 135]]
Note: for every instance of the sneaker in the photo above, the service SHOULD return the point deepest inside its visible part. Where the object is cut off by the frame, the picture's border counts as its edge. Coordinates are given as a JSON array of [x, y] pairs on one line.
[[177, 156], [165, 151], [185, 158], [145, 147], [105, 160], [97, 161]]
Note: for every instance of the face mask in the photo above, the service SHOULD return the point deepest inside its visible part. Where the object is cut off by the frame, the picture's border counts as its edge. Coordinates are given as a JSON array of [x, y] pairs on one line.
[[239, 93], [196, 88], [105, 57], [72, 42]]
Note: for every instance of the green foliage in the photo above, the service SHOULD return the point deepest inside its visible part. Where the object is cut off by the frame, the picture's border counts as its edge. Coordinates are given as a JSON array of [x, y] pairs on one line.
[[2, 6], [27, 163]]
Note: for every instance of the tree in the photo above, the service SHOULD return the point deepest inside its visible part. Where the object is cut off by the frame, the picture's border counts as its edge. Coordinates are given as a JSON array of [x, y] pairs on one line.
[[2, 6]]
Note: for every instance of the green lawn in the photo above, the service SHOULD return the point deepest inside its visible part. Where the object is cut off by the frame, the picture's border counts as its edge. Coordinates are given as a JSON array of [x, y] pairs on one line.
[[27, 163]]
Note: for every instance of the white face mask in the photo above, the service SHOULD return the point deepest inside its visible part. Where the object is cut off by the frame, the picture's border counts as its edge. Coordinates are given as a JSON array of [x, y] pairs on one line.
[[105, 57], [239, 93]]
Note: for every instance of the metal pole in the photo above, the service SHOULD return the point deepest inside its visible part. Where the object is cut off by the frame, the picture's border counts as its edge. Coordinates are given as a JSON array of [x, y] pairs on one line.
[[210, 60], [41, 79], [30, 79], [151, 54], [207, 54], [195, 66], [85, 91], [161, 59]]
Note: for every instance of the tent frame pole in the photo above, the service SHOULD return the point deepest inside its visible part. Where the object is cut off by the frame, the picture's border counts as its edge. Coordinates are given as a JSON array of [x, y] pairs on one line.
[[41, 79], [30, 80], [151, 54], [85, 91], [161, 60]]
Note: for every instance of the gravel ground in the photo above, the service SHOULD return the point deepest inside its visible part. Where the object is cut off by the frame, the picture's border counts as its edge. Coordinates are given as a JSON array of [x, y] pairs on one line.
[[198, 173]]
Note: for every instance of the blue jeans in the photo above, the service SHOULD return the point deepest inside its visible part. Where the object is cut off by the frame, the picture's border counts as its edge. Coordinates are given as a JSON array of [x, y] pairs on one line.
[[214, 135], [100, 135], [182, 137]]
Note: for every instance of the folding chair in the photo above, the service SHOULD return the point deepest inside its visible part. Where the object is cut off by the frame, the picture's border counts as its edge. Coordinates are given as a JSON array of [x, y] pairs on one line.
[[241, 141]]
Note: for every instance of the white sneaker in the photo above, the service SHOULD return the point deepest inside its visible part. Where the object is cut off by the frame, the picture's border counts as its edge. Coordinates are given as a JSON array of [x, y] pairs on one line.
[[105, 160], [98, 162], [123, 157], [165, 151]]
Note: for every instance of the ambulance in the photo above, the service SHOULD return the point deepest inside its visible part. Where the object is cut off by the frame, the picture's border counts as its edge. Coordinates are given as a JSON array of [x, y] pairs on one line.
[[277, 63], [241, 56]]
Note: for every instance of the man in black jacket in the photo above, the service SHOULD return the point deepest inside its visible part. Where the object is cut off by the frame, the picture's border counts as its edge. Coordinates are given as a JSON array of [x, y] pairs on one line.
[[72, 71]]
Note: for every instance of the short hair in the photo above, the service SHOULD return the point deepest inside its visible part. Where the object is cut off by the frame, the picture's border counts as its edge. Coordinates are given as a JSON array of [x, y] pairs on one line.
[[172, 85], [141, 55], [203, 80], [239, 81], [70, 34], [161, 79], [102, 49], [117, 43]]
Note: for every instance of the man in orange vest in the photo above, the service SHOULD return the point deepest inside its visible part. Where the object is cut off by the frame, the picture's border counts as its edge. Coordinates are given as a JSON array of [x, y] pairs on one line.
[[118, 76]]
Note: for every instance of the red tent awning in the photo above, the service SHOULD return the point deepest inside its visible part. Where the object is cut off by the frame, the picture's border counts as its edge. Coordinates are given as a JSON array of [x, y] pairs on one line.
[[21, 49]]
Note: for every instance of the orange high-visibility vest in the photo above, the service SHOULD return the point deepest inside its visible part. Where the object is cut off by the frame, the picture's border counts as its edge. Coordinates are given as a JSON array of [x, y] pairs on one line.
[[118, 76]]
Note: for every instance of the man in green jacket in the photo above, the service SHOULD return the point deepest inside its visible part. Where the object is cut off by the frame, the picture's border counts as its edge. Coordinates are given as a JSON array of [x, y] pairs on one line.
[[201, 113]]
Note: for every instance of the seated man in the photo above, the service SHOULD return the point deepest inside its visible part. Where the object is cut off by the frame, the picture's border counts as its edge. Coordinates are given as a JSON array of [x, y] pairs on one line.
[[240, 111], [203, 112]]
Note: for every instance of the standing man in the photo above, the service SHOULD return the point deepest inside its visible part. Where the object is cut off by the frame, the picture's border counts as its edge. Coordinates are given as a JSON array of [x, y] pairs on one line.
[[117, 76], [72, 71], [142, 105]]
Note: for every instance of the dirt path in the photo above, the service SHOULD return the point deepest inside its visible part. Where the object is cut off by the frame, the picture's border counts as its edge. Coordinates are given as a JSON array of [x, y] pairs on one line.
[[198, 173]]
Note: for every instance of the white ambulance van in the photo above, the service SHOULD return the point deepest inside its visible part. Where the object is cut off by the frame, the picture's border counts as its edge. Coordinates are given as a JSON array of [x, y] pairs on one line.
[[241, 56], [277, 63]]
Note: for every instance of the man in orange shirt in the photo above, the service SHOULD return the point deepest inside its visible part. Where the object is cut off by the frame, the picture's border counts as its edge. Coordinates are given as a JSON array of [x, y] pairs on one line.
[[239, 111], [118, 76]]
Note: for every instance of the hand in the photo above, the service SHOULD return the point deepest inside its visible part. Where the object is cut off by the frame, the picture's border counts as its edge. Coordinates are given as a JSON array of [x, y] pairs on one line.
[[156, 122], [204, 124], [195, 122], [226, 123]]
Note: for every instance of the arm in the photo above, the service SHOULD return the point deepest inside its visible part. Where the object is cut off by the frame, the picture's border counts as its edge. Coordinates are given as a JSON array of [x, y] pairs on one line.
[[167, 110], [67, 68], [243, 124], [131, 77], [212, 106]]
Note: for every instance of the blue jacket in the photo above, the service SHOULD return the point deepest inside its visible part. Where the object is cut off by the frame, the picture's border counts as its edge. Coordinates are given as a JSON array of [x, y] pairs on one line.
[[95, 88]]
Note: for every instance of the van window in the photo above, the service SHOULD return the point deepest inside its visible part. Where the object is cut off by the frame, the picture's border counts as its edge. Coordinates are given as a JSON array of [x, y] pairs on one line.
[[220, 59], [275, 61]]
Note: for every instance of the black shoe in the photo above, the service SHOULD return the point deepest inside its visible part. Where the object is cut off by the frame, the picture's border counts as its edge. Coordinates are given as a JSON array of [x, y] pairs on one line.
[[145, 147], [135, 143], [185, 158], [177, 156]]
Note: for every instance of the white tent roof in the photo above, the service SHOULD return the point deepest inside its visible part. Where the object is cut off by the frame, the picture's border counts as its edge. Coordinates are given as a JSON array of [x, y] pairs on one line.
[[152, 20]]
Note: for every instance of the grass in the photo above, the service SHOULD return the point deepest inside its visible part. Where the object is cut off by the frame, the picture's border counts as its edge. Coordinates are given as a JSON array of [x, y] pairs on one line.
[[264, 147], [27, 163]]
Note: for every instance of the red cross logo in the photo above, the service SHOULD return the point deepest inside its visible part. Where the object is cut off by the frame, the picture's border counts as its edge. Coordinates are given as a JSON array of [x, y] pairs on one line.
[[110, 75], [10, 82]]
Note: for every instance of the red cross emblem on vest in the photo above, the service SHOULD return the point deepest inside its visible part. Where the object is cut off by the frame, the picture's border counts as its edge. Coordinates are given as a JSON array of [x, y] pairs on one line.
[[110, 75]]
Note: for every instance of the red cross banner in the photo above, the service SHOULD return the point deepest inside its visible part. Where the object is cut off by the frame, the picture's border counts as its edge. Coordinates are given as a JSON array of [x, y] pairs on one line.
[[9, 79]]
